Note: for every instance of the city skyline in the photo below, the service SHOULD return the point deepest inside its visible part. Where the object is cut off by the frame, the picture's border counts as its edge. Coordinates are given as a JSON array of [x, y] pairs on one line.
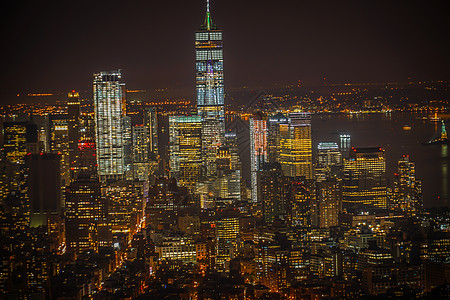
[[332, 191], [344, 43]]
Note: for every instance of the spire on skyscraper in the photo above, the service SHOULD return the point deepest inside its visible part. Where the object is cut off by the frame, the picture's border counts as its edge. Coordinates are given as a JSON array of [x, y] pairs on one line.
[[208, 24]]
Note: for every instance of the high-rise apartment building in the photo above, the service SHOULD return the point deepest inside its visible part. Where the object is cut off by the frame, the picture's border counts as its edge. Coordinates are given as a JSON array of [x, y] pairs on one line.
[[109, 111], [364, 184]]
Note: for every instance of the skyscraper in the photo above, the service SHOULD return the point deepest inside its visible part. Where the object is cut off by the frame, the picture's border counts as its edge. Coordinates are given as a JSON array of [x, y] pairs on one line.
[[87, 224], [16, 139], [59, 143], [209, 65], [329, 161], [73, 124], [345, 143], [407, 189], [364, 184], [273, 136], [296, 146], [185, 149], [258, 151], [109, 112], [210, 89]]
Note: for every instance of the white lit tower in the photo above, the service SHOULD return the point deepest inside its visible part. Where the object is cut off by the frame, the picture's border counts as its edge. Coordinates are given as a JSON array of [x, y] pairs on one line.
[[210, 89], [109, 112]]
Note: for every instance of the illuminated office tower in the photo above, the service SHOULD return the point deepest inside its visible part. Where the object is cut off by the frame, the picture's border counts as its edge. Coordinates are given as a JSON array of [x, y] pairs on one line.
[[92, 230], [329, 202], [407, 189], [364, 184], [151, 121], [329, 161], [59, 143], [73, 124], [273, 136], [209, 66], [17, 137], [185, 149], [127, 139], [345, 143], [109, 111], [125, 207], [141, 150], [227, 234], [86, 145], [296, 146], [258, 151], [210, 90], [212, 139]]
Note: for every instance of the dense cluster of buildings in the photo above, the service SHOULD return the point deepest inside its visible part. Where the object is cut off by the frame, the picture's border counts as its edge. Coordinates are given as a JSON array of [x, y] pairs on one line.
[[94, 206]]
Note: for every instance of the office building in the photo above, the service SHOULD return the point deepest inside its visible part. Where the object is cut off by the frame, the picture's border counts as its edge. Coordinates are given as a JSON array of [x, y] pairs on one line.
[[273, 136], [345, 144], [210, 90], [86, 145], [209, 67], [59, 143], [109, 111], [17, 138], [73, 126], [258, 151], [329, 161], [86, 224], [275, 192], [151, 121], [227, 235], [364, 184], [296, 146], [185, 149]]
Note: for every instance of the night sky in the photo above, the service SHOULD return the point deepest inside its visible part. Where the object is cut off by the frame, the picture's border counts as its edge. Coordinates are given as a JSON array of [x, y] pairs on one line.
[[55, 46]]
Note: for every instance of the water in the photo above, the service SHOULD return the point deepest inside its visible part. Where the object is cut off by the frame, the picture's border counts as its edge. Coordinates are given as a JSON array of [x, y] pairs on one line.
[[386, 130], [377, 130]]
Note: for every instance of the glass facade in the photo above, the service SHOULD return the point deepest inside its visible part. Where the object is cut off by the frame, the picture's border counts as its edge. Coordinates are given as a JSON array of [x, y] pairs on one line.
[[364, 184], [185, 149], [109, 111]]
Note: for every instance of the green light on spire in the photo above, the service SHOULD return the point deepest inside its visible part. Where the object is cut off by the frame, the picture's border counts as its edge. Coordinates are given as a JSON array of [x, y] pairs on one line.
[[208, 25]]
